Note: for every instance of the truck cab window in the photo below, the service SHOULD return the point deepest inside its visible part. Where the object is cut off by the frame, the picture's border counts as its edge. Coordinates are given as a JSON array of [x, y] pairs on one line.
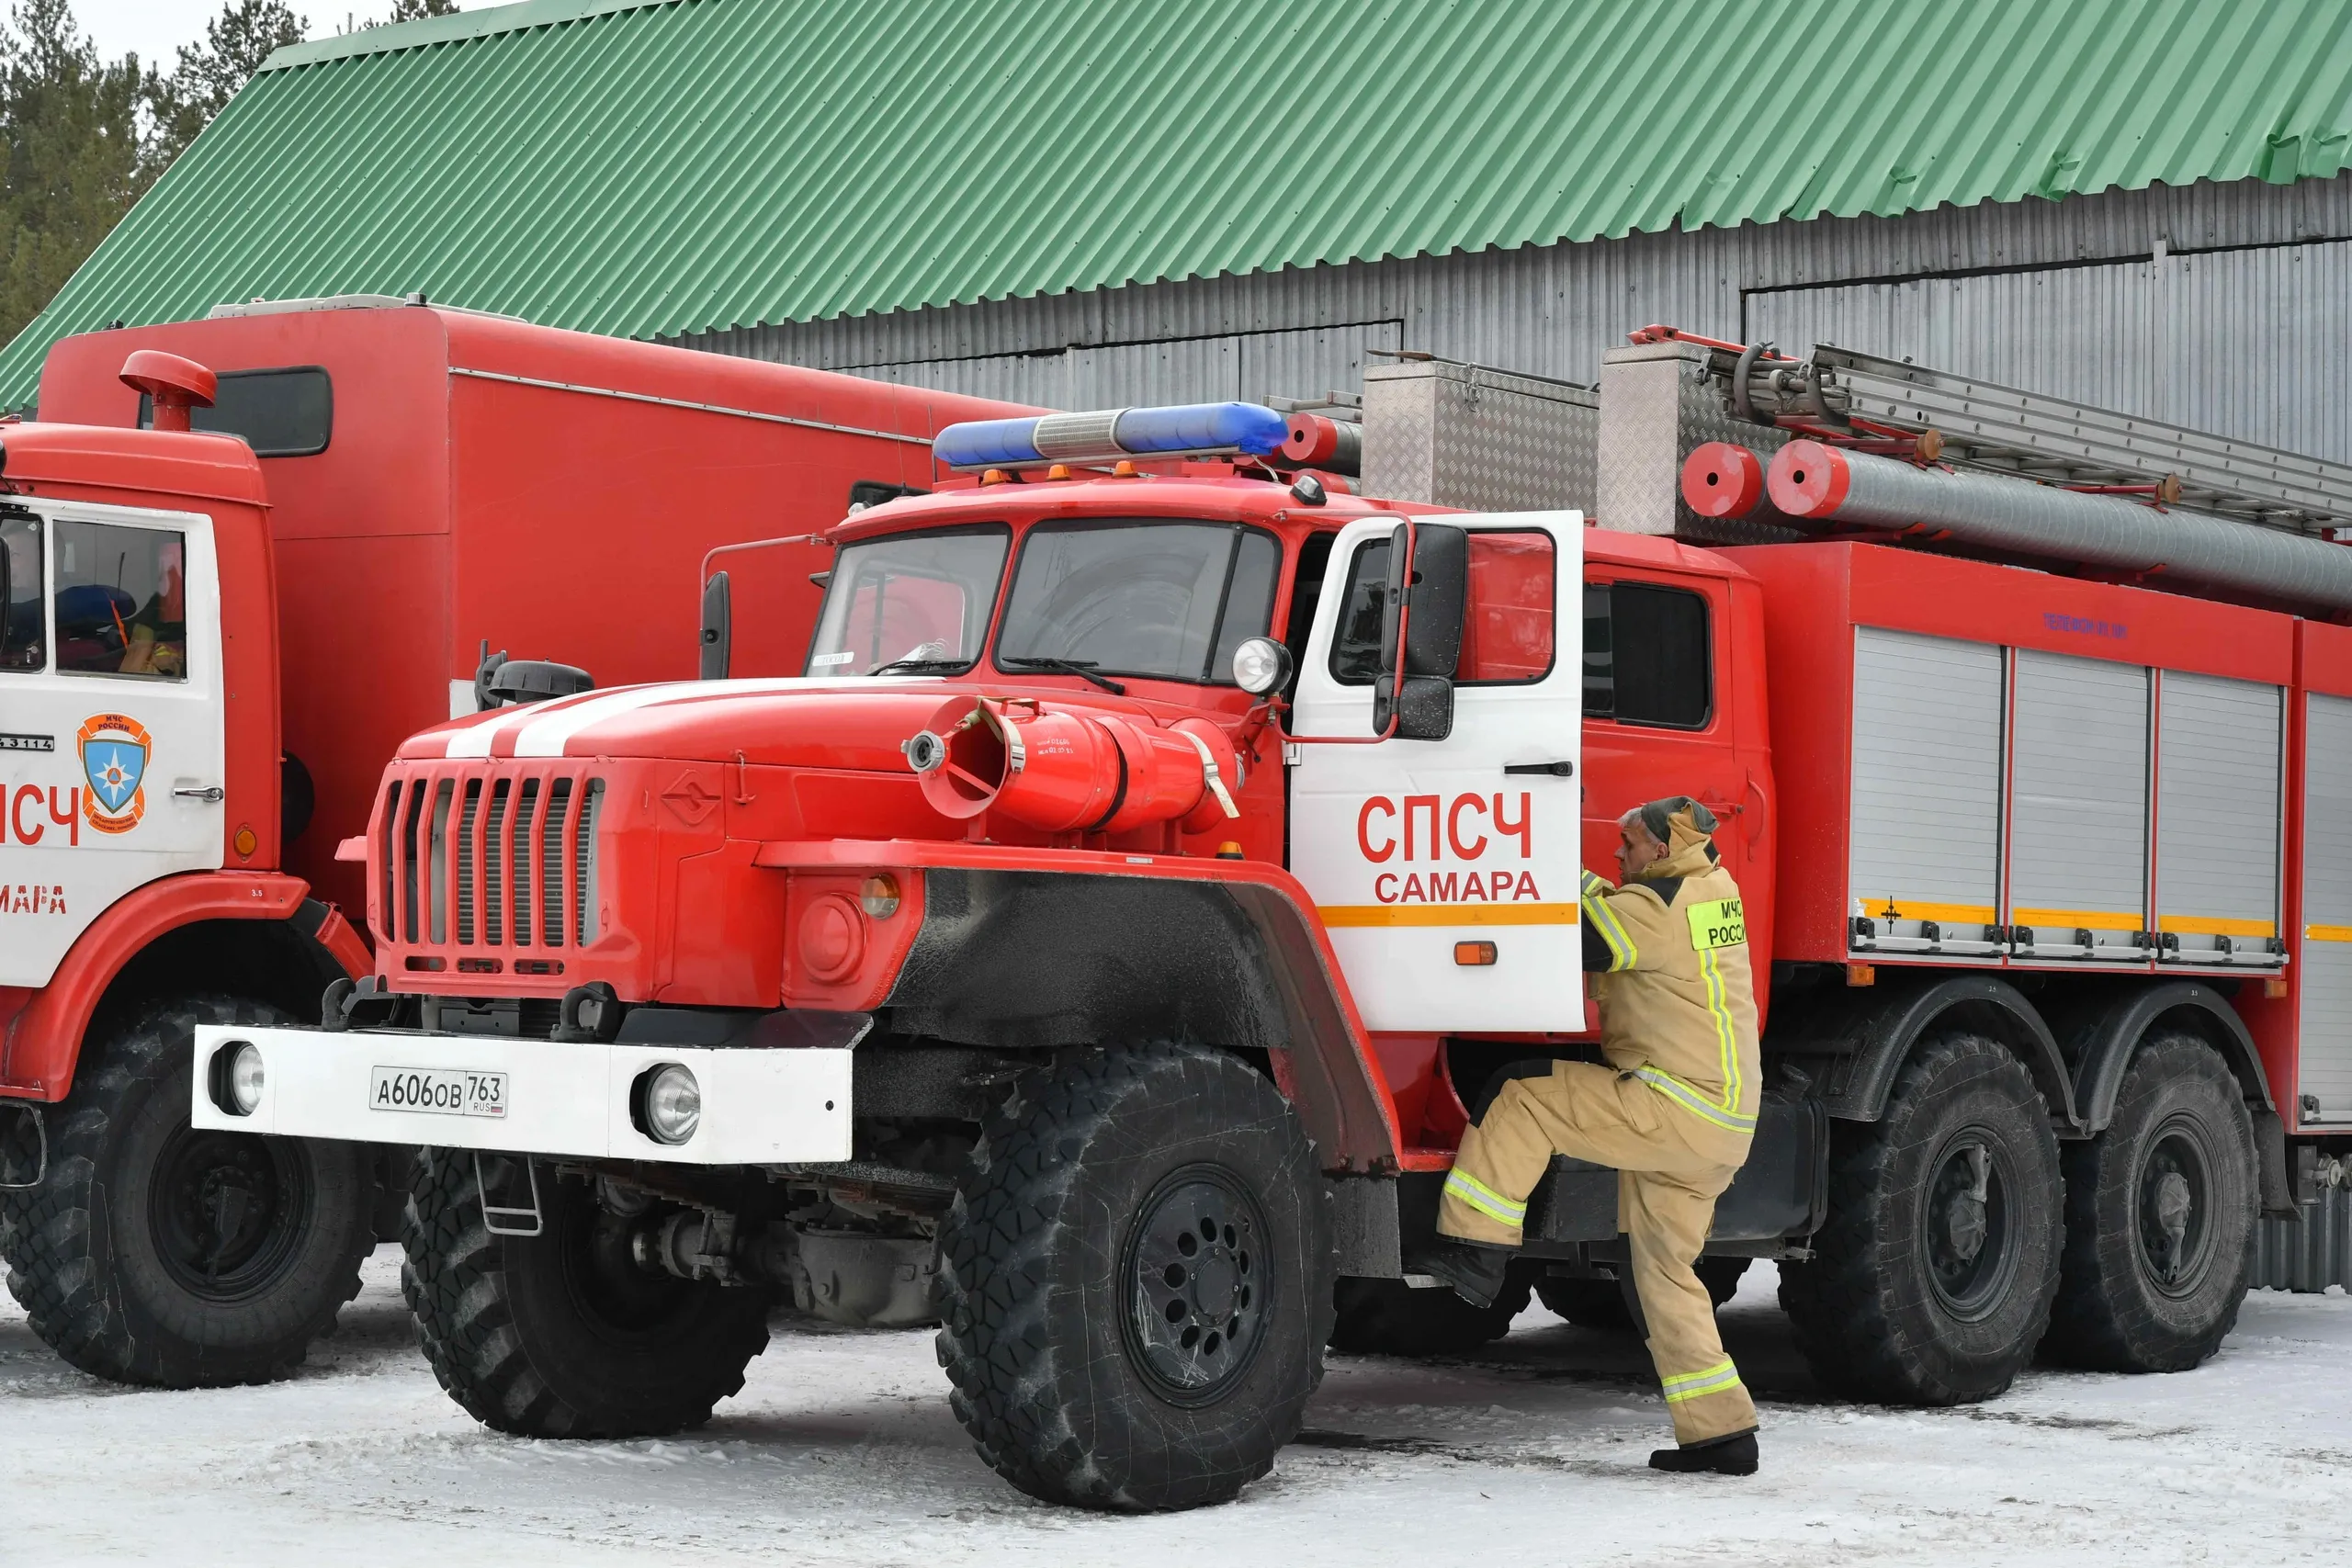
[[1506, 629], [279, 413], [1507, 632], [916, 602], [1355, 641], [121, 601], [22, 645], [1648, 655], [1140, 597]]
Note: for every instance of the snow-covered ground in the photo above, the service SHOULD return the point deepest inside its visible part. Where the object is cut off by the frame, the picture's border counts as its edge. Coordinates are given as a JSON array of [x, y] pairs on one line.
[[841, 1449]]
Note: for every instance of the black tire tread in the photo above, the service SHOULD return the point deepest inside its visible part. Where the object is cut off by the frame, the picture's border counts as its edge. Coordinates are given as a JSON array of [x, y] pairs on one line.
[[996, 1343], [46, 1231], [2089, 1327], [1839, 1302], [453, 1279]]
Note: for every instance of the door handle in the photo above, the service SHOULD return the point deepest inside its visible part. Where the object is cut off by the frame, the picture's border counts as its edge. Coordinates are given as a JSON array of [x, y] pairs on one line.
[[1556, 769], [211, 794]]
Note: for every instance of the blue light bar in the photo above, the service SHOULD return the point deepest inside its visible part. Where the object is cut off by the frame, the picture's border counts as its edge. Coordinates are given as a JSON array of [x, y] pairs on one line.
[[1187, 430]]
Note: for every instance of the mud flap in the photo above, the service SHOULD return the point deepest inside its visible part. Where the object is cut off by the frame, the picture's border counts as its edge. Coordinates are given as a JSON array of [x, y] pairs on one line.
[[2270, 1165], [24, 1146]]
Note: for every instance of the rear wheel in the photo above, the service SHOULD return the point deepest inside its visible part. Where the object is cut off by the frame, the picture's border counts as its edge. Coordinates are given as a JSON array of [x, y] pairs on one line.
[[1932, 1280], [1388, 1317], [2161, 1212], [564, 1334], [159, 1253], [1136, 1280]]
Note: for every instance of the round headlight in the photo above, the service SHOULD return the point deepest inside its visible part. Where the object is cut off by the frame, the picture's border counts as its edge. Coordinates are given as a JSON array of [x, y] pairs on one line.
[[879, 894], [246, 1079], [673, 1105], [1260, 665]]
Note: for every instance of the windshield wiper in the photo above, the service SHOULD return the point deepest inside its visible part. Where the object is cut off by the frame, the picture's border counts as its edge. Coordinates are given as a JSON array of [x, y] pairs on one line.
[[919, 666], [1081, 668]]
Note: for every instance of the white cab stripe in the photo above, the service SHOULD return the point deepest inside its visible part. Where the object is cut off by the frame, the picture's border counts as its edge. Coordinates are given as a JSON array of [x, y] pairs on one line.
[[545, 733]]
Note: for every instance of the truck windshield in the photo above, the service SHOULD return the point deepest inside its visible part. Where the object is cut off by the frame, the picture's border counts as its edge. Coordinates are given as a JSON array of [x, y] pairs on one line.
[[1139, 596], [911, 604]]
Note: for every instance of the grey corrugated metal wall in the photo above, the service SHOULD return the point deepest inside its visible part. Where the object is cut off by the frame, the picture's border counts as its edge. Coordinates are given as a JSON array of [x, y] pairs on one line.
[[2221, 306]]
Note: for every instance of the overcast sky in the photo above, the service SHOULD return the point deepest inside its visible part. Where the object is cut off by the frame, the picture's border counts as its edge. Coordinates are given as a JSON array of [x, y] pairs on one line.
[[155, 29]]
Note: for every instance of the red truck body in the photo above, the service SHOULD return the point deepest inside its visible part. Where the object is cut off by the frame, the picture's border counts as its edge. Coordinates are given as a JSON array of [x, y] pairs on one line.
[[552, 492]]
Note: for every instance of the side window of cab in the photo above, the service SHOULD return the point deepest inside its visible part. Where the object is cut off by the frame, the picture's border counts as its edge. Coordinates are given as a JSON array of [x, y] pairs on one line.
[[1648, 655], [121, 605], [1508, 636], [24, 641]]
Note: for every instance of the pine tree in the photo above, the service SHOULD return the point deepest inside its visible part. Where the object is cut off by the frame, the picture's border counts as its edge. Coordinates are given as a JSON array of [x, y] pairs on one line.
[[74, 157], [417, 10], [210, 74]]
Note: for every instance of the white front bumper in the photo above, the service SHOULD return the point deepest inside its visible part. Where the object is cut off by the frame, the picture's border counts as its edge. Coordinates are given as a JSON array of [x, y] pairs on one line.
[[759, 1106]]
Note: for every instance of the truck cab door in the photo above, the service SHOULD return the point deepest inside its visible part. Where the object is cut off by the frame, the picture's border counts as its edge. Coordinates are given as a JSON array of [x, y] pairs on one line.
[[1446, 871], [111, 717]]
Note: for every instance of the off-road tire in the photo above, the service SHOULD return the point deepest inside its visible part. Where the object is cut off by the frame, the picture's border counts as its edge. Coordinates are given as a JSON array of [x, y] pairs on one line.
[[98, 1252], [1601, 1304], [1388, 1317], [531, 1340], [2178, 1106], [1067, 1176], [1873, 1316]]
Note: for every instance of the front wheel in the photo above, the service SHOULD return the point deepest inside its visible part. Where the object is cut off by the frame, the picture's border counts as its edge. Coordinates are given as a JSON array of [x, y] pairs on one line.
[[1136, 1280], [164, 1254], [1931, 1283], [564, 1334]]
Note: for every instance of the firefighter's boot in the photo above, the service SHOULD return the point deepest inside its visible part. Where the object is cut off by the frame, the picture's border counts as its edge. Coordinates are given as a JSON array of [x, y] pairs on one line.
[[1735, 1455], [1476, 1273]]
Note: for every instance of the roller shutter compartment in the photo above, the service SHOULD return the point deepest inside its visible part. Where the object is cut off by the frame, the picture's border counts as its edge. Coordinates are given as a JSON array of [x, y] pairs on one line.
[[2078, 807], [1924, 848], [2323, 1075], [2218, 817]]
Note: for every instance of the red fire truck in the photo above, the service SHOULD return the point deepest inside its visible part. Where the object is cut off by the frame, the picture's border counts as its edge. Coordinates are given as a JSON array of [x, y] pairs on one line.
[[1156, 851], [212, 642]]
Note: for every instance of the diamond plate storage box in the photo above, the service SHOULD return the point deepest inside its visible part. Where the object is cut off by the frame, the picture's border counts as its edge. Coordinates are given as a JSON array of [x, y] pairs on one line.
[[1658, 404], [1454, 434]]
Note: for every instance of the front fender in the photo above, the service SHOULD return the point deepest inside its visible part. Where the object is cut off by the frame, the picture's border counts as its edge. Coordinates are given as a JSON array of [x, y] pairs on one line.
[[43, 1042], [1028, 949]]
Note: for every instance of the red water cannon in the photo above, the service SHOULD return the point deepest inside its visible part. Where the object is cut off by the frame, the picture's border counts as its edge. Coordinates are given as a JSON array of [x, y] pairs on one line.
[[1070, 769]]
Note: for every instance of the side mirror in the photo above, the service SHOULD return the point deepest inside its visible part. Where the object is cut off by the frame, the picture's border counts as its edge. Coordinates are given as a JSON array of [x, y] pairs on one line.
[[1414, 687], [717, 627]]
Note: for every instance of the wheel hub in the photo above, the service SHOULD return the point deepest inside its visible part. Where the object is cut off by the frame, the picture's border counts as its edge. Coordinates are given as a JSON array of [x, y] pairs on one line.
[[1966, 1224], [1196, 1286], [226, 1211], [2174, 1207]]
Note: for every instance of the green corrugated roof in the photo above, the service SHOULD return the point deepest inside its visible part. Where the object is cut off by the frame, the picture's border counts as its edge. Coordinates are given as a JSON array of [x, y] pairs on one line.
[[652, 169]]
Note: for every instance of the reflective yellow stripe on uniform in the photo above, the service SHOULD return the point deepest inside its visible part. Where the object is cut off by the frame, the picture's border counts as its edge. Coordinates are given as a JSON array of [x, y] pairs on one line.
[[1460, 1183], [1726, 1031], [1595, 903], [1690, 1385], [1690, 1099]]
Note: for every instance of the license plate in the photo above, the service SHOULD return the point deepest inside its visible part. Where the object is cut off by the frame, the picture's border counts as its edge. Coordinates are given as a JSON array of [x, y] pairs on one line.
[[435, 1092]]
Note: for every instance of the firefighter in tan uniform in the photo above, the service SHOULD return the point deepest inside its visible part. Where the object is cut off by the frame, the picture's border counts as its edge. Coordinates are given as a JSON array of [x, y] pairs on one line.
[[1673, 1112]]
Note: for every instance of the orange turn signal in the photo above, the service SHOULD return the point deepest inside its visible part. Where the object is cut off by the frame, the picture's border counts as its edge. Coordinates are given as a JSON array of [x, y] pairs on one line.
[[878, 896], [1474, 955], [994, 477]]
